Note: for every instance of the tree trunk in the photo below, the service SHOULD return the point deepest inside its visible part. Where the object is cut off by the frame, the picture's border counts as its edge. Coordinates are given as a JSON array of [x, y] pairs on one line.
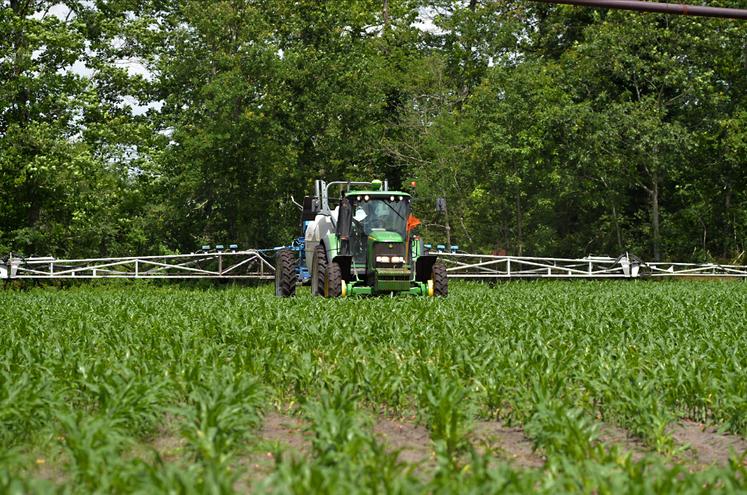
[[448, 227], [519, 227], [506, 231], [386, 15], [472, 6], [618, 233], [705, 234], [21, 115], [20, 51], [654, 193], [731, 228]]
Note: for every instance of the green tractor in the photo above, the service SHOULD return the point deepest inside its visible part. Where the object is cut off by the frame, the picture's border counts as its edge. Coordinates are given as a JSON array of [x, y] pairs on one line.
[[362, 246]]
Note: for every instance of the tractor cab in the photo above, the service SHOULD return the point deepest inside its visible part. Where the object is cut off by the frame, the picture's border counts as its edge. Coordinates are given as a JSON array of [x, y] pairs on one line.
[[361, 244], [378, 217]]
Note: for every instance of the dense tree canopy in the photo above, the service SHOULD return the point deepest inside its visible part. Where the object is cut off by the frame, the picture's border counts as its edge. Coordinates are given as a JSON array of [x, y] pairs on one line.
[[145, 126]]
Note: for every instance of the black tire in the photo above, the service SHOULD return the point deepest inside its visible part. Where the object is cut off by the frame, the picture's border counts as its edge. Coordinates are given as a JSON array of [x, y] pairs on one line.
[[318, 270], [285, 273], [440, 280], [333, 281]]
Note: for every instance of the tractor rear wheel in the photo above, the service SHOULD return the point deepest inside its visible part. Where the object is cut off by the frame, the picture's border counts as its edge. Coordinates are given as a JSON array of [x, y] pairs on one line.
[[333, 282], [440, 281], [318, 270], [285, 273]]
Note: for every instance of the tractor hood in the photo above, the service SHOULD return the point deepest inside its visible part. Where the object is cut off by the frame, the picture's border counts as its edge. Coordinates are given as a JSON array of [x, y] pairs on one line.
[[384, 236]]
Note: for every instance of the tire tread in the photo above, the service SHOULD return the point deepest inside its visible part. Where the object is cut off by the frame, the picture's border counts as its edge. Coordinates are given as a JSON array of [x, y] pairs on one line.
[[440, 280], [285, 273]]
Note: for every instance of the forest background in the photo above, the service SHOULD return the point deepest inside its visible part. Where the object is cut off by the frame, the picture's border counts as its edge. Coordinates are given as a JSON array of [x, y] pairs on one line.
[[156, 126]]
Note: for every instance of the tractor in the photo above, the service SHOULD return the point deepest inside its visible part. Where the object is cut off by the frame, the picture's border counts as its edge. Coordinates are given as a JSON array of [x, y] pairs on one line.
[[362, 246]]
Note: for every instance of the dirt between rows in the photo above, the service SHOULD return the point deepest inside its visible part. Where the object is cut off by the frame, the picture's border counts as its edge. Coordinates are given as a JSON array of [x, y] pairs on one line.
[[614, 435], [410, 440], [288, 431], [706, 445], [703, 445], [509, 443]]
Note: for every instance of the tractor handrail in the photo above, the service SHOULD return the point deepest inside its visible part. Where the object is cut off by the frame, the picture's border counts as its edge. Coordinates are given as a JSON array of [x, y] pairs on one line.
[[323, 189]]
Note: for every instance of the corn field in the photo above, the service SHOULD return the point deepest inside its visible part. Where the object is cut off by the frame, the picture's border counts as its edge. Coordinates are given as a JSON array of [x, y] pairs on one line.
[[551, 387]]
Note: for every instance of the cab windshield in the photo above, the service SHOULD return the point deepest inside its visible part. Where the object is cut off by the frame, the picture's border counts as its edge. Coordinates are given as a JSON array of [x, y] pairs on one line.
[[377, 214]]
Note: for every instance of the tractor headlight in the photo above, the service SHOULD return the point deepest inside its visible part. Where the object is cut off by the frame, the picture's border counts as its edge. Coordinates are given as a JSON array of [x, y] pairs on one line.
[[398, 259], [382, 259]]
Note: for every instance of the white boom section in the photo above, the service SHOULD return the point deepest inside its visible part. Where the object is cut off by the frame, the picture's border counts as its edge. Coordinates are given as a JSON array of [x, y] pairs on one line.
[[478, 266], [227, 264], [250, 264]]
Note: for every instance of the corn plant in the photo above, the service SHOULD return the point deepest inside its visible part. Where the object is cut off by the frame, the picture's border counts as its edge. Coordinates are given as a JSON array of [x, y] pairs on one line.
[[220, 412], [121, 388]]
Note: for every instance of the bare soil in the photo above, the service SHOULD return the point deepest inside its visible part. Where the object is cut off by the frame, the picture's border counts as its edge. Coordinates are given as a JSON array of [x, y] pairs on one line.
[[509, 443], [614, 435], [50, 469], [287, 431], [169, 445], [289, 435], [278, 432], [707, 445], [410, 440]]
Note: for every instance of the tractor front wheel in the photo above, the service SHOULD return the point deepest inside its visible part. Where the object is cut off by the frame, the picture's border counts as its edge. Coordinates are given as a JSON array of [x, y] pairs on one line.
[[333, 283], [439, 280], [285, 273], [318, 270]]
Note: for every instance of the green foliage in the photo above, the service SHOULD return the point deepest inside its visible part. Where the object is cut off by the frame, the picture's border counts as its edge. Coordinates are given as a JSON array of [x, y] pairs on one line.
[[148, 127], [95, 446], [444, 402], [345, 456], [94, 376], [592, 131], [219, 414], [71, 148]]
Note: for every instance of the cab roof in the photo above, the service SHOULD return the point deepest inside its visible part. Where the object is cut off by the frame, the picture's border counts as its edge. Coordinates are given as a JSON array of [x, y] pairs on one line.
[[378, 194]]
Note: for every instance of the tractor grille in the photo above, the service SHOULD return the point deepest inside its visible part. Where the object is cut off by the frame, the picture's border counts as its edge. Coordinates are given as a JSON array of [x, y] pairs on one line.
[[389, 249]]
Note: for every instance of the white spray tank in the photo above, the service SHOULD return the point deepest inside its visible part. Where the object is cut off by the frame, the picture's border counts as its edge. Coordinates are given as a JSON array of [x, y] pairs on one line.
[[318, 230]]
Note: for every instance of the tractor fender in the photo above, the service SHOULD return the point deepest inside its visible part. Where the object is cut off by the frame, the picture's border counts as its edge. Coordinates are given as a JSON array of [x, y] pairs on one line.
[[331, 245], [424, 267]]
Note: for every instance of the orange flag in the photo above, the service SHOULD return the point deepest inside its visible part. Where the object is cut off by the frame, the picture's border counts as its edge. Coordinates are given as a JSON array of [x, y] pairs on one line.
[[412, 222]]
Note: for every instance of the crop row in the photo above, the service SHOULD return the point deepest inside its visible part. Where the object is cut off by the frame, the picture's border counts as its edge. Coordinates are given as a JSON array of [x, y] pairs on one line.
[[89, 374]]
